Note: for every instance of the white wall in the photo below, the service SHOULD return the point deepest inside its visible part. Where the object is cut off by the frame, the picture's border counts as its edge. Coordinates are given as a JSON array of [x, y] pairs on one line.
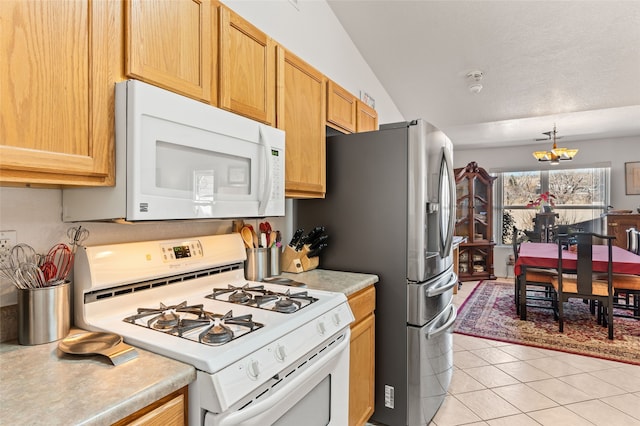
[[613, 152]]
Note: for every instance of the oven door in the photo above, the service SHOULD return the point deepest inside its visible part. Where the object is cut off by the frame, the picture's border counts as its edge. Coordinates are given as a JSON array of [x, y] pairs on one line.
[[318, 396]]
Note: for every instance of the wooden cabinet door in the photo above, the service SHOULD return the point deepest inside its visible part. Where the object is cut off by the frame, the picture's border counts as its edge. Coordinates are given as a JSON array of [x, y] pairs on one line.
[[301, 114], [366, 118], [168, 411], [60, 62], [617, 225], [362, 357], [169, 44], [341, 108], [247, 69]]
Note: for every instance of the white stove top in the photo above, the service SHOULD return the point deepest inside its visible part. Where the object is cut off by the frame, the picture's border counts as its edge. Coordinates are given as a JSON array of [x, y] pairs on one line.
[[112, 282]]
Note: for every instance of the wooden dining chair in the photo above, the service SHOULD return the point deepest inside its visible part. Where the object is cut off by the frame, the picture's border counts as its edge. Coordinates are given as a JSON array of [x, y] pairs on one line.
[[537, 280], [583, 283]]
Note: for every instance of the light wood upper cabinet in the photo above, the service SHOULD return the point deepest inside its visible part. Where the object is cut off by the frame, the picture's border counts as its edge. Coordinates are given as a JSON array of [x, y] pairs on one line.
[[171, 44], [362, 357], [247, 68], [367, 117], [341, 108], [60, 62], [301, 114]]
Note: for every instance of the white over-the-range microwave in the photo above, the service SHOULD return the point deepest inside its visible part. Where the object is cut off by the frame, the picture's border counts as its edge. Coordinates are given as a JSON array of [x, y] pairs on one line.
[[177, 158]]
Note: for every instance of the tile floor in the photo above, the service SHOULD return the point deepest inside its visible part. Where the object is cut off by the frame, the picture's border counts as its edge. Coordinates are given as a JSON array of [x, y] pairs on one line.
[[496, 383]]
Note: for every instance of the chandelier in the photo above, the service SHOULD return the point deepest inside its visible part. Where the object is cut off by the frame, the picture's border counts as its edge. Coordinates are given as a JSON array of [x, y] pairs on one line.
[[556, 154]]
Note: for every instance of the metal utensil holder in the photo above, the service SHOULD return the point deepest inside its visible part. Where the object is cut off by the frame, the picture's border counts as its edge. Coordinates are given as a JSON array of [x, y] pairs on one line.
[[44, 314]]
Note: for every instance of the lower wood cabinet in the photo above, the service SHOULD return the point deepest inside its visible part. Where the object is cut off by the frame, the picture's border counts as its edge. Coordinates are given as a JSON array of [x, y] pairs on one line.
[[168, 411], [362, 363]]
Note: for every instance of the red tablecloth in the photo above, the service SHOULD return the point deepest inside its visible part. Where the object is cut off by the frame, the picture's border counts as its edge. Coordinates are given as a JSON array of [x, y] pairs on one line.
[[545, 255]]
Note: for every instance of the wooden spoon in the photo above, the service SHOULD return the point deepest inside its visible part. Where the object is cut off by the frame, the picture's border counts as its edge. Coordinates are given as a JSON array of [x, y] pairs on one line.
[[247, 236]]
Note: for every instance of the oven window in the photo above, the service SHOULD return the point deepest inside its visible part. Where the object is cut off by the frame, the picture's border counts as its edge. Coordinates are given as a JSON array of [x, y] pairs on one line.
[[312, 410]]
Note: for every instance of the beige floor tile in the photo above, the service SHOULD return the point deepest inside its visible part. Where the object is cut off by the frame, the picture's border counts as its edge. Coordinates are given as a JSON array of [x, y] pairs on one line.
[[554, 366], [591, 385], [517, 420], [523, 372], [453, 412], [490, 376], [619, 377], [470, 342], [524, 352], [586, 363], [558, 391], [487, 404], [462, 382], [494, 355], [628, 403], [601, 414], [558, 416], [467, 359], [524, 398]]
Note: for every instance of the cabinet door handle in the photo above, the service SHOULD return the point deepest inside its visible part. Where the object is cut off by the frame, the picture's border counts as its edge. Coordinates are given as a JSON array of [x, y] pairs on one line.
[[613, 224]]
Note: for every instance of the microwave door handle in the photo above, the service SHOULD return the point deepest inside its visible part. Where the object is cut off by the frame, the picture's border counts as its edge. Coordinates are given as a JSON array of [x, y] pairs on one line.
[[264, 200]]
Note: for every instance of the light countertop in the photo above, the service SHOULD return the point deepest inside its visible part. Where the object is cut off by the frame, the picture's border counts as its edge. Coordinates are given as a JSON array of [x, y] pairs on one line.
[[342, 282], [41, 385]]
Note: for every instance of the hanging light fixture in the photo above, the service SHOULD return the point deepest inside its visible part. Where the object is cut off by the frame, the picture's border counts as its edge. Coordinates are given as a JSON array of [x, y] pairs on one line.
[[556, 154]]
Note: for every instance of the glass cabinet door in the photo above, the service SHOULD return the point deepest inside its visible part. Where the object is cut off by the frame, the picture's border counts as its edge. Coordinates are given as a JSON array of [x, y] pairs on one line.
[[480, 218], [463, 204]]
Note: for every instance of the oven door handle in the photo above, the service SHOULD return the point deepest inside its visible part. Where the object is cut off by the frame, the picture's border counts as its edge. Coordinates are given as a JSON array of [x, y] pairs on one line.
[[253, 411], [453, 314], [442, 288]]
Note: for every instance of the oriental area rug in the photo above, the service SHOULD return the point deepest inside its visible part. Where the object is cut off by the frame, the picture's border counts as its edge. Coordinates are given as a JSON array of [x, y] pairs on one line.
[[490, 312]]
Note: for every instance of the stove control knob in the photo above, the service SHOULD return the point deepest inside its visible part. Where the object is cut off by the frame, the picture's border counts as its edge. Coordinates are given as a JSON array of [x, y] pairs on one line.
[[280, 353], [253, 369], [322, 329], [336, 318]]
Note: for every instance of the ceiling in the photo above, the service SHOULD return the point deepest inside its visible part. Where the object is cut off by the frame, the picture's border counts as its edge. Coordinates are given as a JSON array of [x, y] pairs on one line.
[[572, 63]]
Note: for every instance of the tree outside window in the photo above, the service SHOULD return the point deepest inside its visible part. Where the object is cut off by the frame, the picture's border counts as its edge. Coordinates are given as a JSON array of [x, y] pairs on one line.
[[581, 196]]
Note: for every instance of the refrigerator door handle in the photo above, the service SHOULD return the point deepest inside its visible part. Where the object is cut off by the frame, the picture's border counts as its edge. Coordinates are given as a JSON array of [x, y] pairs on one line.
[[453, 314], [452, 195], [439, 289]]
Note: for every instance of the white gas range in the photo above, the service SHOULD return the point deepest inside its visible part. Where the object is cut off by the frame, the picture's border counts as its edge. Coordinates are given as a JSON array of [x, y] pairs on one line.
[[264, 353]]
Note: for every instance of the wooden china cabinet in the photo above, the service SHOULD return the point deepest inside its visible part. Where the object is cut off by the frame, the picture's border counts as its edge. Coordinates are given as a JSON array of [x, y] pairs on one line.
[[474, 220]]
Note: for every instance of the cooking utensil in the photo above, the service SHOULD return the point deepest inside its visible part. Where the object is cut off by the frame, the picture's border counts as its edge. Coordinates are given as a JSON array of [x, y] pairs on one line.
[[62, 257], [316, 243], [30, 276], [296, 237], [254, 236], [314, 253], [77, 236], [22, 253], [107, 344], [247, 236]]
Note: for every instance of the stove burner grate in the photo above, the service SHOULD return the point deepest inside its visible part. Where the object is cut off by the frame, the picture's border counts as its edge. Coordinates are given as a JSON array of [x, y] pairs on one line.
[[213, 328], [262, 298]]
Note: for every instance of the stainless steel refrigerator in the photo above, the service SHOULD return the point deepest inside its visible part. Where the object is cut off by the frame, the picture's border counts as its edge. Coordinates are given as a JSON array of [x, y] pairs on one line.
[[389, 211]]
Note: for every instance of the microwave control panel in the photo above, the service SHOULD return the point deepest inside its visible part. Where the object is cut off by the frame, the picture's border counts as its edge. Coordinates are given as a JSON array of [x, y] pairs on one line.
[[277, 168]]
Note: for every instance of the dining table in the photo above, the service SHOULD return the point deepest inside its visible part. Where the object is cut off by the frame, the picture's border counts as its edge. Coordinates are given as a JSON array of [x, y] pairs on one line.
[[545, 255]]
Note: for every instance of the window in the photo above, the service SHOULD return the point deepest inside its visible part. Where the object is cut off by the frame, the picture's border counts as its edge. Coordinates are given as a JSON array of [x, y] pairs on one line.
[[581, 196]]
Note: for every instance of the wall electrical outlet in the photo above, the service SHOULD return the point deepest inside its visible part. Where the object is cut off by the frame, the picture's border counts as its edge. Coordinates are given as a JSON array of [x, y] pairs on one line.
[[7, 241]]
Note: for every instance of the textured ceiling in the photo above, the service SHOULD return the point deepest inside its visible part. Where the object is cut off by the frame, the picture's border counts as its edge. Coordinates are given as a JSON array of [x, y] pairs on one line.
[[574, 63]]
